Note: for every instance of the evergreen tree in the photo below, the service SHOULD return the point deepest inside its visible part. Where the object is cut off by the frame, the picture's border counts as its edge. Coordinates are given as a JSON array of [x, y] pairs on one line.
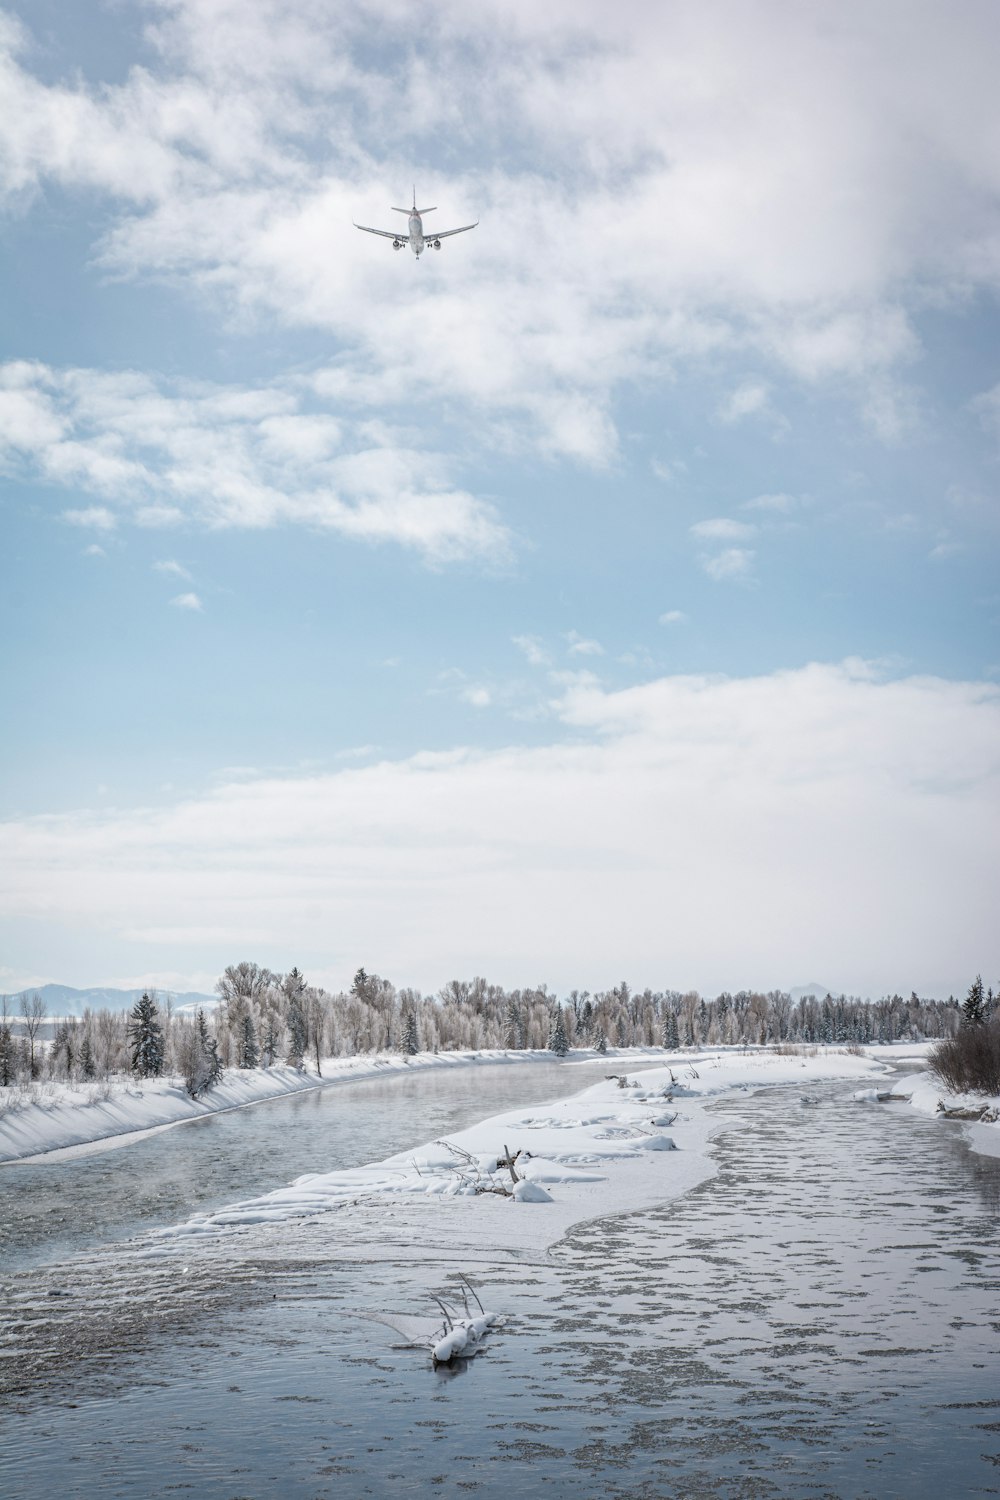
[[199, 1058], [671, 1036], [513, 1029], [298, 1032], [62, 1047], [269, 1040], [601, 1045], [209, 1049], [6, 1052], [974, 1006], [557, 1034], [247, 1051], [411, 1041], [146, 1037], [87, 1064]]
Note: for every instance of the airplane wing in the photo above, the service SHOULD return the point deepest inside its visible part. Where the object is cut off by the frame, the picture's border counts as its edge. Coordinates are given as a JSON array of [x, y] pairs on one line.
[[442, 234], [390, 234]]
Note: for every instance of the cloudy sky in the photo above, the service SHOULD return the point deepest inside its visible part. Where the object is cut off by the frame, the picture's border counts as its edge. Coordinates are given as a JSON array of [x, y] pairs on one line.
[[613, 594]]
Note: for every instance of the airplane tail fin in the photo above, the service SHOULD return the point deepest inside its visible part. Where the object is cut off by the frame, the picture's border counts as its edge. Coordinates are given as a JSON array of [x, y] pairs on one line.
[[414, 209]]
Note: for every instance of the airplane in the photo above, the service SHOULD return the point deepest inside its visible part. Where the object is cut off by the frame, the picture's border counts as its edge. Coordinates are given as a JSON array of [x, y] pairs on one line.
[[416, 239]]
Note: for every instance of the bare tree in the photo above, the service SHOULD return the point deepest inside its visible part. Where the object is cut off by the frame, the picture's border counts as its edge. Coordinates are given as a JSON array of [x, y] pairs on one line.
[[33, 1011]]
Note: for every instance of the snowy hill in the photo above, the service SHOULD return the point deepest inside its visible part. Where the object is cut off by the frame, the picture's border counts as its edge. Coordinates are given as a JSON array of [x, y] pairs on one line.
[[63, 1000]]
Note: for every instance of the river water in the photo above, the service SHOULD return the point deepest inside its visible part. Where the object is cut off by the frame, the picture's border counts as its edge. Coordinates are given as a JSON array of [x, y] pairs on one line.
[[819, 1319]]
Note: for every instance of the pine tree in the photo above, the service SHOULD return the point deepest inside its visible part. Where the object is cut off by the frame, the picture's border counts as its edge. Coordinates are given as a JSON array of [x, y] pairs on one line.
[[557, 1034], [411, 1041], [87, 1065], [269, 1040], [513, 1028], [601, 1045], [210, 1050], [974, 1005], [671, 1036], [298, 1032], [6, 1053], [199, 1058], [247, 1051], [146, 1036]]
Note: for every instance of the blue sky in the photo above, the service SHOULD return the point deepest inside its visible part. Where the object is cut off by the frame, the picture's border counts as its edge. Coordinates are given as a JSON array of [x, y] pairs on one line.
[[611, 593]]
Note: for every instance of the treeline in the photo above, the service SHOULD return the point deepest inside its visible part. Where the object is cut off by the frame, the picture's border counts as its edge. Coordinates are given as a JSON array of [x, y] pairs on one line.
[[265, 1017]]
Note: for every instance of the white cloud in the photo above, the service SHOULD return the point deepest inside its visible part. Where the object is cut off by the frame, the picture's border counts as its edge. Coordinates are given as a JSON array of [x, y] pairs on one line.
[[755, 182], [94, 551], [668, 473], [97, 516], [840, 822], [187, 601], [721, 529], [579, 645], [732, 565], [159, 454], [673, 617], [533, 649], [779, 504], [478, 697], [172, 569], [752, 398], [987, 408]]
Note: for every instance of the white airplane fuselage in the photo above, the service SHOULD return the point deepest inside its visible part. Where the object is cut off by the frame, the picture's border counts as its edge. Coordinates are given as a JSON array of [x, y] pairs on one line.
[[415, 228]]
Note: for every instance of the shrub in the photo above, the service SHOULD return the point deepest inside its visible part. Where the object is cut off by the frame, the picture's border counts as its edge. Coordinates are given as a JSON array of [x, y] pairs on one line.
[[969, 1063]]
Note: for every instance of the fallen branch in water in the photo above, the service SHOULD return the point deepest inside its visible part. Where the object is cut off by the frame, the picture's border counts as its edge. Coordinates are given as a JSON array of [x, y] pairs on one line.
[[460, 1337]]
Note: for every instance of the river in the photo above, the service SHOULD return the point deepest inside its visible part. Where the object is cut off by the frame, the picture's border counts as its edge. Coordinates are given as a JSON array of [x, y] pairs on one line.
[[819, 1319]]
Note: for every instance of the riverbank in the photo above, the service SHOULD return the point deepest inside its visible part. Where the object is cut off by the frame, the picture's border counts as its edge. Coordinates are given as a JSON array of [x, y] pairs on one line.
[[53, 1120], [57, 1121]]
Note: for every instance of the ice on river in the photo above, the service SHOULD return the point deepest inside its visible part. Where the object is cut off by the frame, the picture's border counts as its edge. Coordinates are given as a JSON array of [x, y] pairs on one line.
[[611, 1148]]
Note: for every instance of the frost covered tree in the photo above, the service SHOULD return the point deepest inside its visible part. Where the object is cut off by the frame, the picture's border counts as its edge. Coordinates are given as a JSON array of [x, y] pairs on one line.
[[6, 1048], [298, 1032], [557, 1033], [198, 1057], [247, 1051], [87, 1065], [411, 1041], [513, 1027], [145, 1036], [671, 1036], [269, 1041], [32, 1014]]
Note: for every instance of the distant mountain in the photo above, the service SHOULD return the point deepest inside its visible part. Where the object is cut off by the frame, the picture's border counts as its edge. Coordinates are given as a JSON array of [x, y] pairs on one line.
[[63, 1000], [820, 991]]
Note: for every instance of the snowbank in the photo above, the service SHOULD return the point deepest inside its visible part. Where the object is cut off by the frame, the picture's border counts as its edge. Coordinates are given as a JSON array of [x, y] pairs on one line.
[[58, 1119], [71, 1118]]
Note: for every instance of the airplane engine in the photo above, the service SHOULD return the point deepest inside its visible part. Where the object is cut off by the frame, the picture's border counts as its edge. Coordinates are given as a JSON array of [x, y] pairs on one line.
[[437, 244], [397, 244]]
